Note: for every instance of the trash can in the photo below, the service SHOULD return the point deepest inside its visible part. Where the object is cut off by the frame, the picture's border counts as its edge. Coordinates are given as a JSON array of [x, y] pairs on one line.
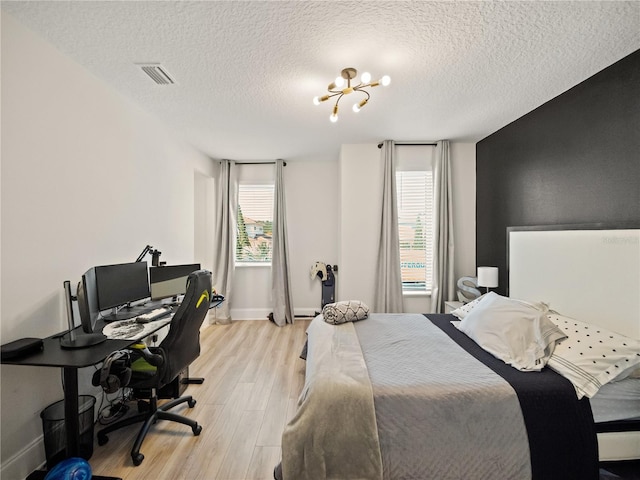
[[55, 439]]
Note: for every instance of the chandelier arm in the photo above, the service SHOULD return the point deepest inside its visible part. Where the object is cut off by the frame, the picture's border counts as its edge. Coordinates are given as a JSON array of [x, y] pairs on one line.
[[366, 93]]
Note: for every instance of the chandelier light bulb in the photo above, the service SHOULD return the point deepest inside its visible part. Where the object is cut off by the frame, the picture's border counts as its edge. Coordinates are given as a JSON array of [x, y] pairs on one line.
[[339, 82], [358, 106], [334, 115], [316, 100], [365, 77], [386, 80]]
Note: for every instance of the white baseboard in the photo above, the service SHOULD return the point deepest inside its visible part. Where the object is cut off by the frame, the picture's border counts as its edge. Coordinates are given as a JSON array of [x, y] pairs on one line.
[[250, 313], [27, 460], [260, 313], [309, 312]]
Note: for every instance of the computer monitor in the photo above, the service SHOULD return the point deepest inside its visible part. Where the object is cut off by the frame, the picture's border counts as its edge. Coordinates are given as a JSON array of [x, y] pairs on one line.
[[87, 295], [170, 280], [119, 285], [73, 339]]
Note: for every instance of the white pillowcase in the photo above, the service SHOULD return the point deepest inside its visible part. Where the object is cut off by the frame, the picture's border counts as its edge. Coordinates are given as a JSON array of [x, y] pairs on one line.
[[591, 356], [514, 331], [462, 311]]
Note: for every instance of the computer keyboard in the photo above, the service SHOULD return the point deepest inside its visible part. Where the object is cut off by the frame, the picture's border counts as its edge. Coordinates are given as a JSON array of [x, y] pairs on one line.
[[153, 315]]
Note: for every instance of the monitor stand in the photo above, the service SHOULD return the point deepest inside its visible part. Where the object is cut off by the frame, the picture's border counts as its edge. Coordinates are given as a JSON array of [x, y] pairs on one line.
[[71, 340], [124, 313]]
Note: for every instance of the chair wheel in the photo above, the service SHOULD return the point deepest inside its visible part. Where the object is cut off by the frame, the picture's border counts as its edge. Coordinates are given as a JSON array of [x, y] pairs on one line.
[[197, 429], [191, 403], [137, 458], [102, 439]]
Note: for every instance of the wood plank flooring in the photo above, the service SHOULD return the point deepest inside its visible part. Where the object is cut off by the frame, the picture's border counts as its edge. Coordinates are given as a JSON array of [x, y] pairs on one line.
[[253, 376]]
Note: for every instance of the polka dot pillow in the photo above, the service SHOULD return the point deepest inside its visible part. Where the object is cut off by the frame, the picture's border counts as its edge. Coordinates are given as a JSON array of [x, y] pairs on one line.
[[591, 356]]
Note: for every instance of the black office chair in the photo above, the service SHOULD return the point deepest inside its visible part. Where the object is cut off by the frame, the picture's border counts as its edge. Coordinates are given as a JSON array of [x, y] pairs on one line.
[[159, 366]]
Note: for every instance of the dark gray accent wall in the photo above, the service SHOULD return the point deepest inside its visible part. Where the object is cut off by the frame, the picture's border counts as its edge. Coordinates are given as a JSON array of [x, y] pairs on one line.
[[573, 160]]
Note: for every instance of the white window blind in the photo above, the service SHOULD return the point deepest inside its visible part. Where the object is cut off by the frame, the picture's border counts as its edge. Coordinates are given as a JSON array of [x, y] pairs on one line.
[[255, 223], [414, 189]]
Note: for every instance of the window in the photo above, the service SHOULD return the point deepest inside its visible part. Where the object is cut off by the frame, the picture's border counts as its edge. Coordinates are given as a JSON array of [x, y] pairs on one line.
[[414, 190], [255, 224]]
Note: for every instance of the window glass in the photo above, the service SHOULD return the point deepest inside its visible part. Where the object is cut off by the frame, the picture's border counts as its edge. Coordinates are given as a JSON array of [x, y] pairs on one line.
[[255, 223], [414, 189]]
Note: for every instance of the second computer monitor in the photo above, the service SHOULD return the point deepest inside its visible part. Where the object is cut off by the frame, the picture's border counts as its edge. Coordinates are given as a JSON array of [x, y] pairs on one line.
[[170, 280], [121, 284], [87, 295]]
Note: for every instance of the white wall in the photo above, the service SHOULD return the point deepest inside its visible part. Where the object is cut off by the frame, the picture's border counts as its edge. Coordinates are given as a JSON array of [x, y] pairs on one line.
[[87, 179], [360, 204]]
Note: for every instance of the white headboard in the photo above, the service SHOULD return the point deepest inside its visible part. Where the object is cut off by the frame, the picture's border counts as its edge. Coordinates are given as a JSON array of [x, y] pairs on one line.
[[585, 272]]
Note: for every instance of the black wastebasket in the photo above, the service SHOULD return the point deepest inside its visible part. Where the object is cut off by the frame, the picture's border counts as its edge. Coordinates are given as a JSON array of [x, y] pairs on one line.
[[55, 439]]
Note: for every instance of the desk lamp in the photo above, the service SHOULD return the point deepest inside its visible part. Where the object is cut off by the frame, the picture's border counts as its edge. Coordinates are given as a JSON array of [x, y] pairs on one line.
[[155, 255], [488, 277]]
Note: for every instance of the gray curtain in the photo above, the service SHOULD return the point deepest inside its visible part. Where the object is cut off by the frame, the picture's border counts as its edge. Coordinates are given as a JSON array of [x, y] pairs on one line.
[[280, 285], [225, 238], [443, 288], [388, 297]]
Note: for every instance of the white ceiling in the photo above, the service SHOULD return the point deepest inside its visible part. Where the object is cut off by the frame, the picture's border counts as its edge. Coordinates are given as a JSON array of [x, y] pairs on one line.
[[247, 71]]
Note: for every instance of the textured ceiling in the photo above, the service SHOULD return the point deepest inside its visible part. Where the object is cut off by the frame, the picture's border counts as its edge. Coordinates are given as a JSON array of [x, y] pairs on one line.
[[247, 71]]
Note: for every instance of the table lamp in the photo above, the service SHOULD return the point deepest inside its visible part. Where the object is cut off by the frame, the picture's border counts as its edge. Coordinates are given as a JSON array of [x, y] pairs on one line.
[[488, 277]]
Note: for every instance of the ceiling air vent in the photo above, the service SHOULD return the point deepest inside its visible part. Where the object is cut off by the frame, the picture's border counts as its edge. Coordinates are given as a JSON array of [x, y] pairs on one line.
[[157, 73]]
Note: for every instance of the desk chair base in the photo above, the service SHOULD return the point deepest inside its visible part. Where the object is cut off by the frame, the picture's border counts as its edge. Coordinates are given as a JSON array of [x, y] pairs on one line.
[[193, 380], [149, 418]]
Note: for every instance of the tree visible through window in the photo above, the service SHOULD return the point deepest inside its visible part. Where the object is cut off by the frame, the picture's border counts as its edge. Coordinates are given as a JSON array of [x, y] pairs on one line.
[[415, 227], [255, 224]]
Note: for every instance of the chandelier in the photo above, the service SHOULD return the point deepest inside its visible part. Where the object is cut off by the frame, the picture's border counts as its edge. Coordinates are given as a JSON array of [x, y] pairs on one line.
[[335, 88]]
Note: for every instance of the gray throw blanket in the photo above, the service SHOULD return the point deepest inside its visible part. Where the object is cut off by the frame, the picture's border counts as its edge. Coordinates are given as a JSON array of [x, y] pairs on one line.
[[333, 434]]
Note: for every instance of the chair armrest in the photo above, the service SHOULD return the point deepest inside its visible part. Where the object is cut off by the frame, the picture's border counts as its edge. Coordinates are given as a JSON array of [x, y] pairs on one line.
[[151, 358]]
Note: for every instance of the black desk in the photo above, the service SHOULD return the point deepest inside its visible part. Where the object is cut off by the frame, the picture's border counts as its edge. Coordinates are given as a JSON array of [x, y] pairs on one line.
[[70, 360]]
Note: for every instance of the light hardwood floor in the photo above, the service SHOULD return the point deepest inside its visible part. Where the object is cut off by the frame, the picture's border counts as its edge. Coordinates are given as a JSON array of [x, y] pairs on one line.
[[253, 376]]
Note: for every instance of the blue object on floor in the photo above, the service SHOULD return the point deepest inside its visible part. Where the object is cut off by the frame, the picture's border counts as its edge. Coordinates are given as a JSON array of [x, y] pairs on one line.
[[70, 469]]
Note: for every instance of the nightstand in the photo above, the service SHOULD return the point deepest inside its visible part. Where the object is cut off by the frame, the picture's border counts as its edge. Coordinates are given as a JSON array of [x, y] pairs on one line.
[[451, 306]]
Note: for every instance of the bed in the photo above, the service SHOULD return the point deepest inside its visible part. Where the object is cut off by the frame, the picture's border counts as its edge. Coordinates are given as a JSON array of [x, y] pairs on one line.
[[409, 396], [595, 278]]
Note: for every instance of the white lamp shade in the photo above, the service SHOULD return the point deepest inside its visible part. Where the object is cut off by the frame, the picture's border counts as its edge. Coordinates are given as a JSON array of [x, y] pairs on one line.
[[488, 277]]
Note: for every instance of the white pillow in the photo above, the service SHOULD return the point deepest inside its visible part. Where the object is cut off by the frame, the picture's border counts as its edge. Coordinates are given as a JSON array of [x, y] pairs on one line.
[[514, 331], [591, 356], [462, 311]]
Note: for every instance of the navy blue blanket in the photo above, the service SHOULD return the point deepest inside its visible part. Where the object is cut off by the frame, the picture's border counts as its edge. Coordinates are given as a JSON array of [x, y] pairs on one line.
[[562, 435]]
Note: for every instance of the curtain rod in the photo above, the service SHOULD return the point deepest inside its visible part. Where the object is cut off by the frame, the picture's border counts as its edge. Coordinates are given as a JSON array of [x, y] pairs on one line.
[[259, 163], [402, 144]]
